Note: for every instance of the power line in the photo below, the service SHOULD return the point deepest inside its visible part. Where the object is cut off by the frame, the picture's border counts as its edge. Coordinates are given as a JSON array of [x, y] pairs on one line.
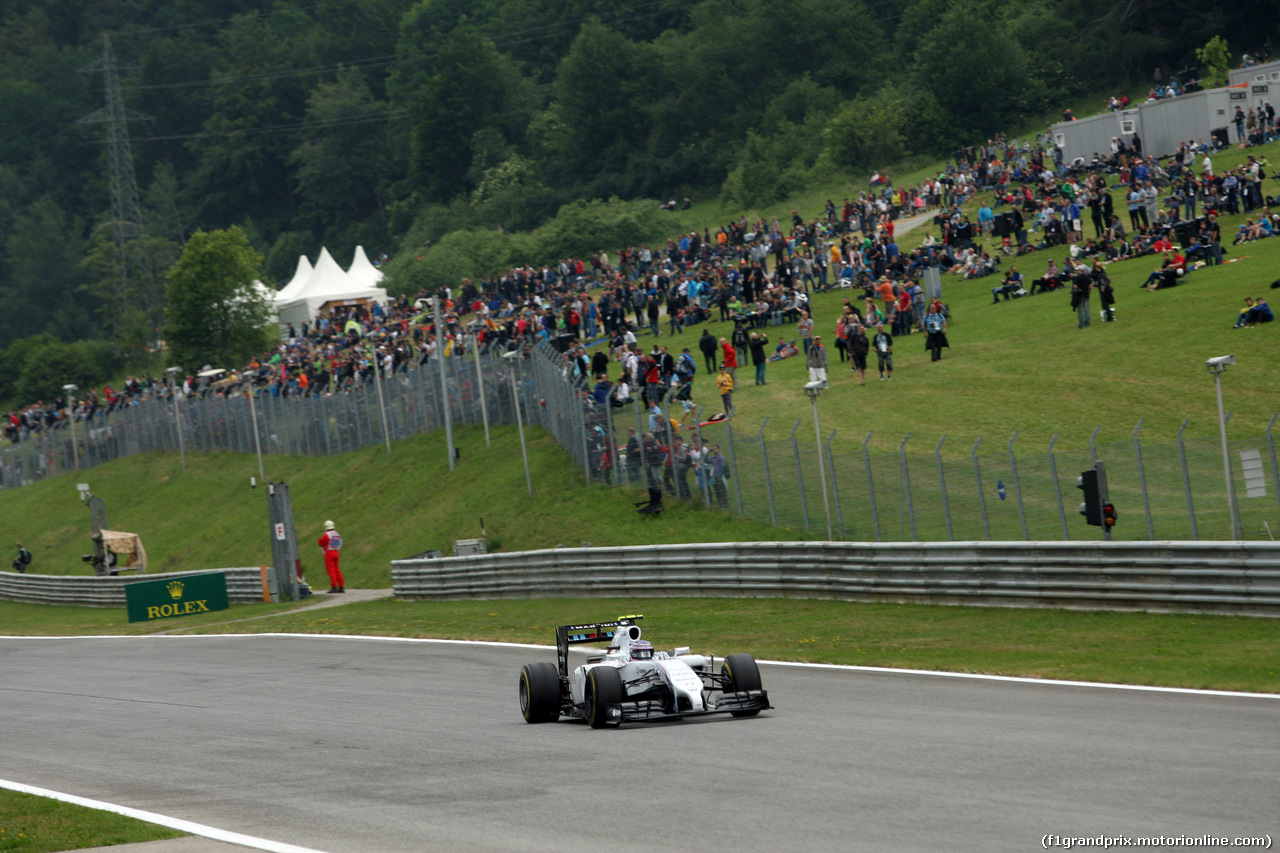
[[365, 118]]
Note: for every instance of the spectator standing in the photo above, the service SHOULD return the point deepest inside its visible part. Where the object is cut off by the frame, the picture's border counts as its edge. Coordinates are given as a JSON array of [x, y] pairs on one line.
[[858, 347], [707, 343], [805, 328], [1081, 285], [883, 345], [758, 357], [1106, 292], [724, 383], [718, 472], [634, 457], [817, 361], [935, 326], [331, 542], [728, 359]]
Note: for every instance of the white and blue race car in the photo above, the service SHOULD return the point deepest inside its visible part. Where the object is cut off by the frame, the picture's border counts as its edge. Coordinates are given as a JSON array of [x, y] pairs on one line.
[[631, 682]]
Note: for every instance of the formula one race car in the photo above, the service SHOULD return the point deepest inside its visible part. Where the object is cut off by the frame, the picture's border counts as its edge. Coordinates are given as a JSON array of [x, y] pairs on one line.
[[631, 682]]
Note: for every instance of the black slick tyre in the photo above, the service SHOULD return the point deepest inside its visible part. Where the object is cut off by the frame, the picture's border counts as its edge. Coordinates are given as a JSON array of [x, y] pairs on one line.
[[604, 688], [741, 673], [539, 693]]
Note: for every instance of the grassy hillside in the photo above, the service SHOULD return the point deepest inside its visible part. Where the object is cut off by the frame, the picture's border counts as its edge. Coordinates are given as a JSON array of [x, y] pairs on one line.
[[386, 506]]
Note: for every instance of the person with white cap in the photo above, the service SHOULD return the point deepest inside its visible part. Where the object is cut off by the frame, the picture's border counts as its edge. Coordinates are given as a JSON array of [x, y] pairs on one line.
[[331, 542]]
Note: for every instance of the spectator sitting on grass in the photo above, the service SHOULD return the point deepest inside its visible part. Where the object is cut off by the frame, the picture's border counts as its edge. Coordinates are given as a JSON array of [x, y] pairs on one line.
[[1167, 276], [1243, 317], [1259, 313], [784, 349]]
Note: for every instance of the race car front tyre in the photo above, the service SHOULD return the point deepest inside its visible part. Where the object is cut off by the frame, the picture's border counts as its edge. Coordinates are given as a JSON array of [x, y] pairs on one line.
[[604, 688], [540, 693], [741, 673]]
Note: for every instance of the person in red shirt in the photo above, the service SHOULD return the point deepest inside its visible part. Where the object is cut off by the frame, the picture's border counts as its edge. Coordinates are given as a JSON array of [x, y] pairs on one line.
[[729, 358], [331, 542]]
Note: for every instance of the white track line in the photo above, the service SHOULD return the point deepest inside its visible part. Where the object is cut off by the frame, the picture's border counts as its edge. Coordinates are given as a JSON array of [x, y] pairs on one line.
[[163, 820], [832, 666]]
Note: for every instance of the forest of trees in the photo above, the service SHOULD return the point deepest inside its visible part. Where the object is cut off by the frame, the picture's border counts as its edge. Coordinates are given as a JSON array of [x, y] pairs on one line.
[[393, 122]]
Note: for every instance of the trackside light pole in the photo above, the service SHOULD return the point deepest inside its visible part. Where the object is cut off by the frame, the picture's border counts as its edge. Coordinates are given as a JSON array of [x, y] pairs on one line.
[[71, 417], [444, 381], [1218, 366], [382, 406], [177, 418], [512, 357], [813, 389]]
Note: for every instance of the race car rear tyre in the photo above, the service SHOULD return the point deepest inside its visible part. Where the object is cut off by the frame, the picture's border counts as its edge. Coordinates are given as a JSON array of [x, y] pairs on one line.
[[604, 688], [540, 693], [741, 673]]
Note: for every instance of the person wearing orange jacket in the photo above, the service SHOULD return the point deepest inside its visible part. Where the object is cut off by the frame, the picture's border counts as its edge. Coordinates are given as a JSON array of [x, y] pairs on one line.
[[331, 542]]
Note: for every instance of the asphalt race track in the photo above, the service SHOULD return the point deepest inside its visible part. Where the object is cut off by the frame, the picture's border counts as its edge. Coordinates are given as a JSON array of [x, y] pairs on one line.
[[355, 746]]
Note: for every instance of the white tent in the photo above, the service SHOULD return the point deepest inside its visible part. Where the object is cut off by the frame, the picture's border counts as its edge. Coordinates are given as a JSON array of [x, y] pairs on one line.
[[363, 271], [327, 285], [290, 291]]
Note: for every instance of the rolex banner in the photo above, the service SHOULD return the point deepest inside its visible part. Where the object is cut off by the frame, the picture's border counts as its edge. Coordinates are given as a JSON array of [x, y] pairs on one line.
[[162, 599]]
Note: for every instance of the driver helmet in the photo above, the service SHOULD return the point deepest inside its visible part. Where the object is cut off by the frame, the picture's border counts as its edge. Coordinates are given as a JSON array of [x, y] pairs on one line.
[[642, 650]]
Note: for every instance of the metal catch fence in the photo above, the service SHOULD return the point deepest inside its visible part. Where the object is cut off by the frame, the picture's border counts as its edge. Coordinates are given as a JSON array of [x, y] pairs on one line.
[[907, 489]]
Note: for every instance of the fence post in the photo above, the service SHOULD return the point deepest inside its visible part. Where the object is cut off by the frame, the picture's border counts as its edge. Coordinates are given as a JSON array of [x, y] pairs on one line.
[[835, 491], [1186, 481], [871, 486], [1142, 479], [733, 461], [611, 439], [702, 460], [1057, 489], [942, 487], [580, 416], [906, 489], [1017, 486], [982, 498], [671, 449], [1093, 453], [795, 452], [768, 480], [1271, 447]]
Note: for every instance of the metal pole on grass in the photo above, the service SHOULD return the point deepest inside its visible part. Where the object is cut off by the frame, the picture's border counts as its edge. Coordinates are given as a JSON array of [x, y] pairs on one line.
[[382, 404], [484, 408], [177, 418], [444, 383], [71, 417], [822, 468], [257, 443], [512, 358], [1217, 366]]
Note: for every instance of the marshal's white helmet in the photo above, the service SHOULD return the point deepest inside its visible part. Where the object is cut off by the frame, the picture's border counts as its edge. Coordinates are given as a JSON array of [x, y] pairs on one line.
[[328, 525]]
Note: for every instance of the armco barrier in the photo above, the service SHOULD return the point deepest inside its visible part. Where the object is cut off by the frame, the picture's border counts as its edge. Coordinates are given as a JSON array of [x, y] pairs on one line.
[[1225, 577], [244, 586]]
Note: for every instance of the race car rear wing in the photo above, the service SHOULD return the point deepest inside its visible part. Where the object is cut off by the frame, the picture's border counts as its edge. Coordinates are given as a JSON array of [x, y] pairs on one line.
[[595, 632]]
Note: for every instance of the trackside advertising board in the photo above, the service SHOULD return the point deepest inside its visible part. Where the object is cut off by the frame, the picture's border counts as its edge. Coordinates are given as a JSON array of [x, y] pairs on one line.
[[167, 598]]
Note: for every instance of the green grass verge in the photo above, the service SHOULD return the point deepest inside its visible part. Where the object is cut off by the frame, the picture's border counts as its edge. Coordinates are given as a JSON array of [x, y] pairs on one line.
[[387, 506], [31, 824]]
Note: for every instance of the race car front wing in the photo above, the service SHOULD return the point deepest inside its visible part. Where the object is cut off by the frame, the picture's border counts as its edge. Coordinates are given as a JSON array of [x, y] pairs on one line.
[[653, 710]]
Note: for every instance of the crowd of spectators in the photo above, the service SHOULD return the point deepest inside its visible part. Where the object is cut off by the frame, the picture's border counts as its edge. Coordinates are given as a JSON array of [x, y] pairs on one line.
[[758, 275]]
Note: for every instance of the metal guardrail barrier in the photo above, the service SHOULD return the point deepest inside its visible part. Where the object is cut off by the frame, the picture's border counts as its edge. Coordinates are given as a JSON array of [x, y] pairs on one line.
[[1228, 577], [244, 586]]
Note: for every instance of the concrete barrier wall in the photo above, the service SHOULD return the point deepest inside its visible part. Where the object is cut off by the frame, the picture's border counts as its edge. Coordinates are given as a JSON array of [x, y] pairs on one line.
[[244, 586], [1225, 577]]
